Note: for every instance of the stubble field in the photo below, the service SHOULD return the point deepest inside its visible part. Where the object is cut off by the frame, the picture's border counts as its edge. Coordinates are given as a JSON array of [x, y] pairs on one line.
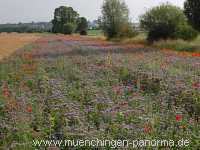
[[12, 41]]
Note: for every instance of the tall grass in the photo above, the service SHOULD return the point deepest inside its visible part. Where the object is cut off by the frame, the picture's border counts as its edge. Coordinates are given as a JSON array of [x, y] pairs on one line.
[[178, 45]]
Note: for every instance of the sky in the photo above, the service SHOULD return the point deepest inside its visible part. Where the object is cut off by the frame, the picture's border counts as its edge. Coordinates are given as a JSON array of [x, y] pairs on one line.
[[15, 11]]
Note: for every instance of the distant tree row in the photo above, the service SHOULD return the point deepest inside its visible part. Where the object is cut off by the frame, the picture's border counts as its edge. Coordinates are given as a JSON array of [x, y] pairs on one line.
[[67, 21], [26, 27]]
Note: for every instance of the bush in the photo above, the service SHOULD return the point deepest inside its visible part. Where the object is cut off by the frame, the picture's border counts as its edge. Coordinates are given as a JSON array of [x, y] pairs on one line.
[[163, 21], [186, 32], [69, 28]]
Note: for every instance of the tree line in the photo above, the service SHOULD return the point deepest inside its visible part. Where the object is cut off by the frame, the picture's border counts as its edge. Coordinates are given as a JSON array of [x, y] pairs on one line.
[[27, 27], [165, 21]]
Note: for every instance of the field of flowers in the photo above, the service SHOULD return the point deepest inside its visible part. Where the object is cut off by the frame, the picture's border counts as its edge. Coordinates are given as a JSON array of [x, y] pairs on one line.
[[71, 87]]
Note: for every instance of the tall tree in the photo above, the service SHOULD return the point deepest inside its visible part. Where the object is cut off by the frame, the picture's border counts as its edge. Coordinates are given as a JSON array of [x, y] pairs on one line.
[[82, 26], [115, 14], [192, 11], [63, 15]]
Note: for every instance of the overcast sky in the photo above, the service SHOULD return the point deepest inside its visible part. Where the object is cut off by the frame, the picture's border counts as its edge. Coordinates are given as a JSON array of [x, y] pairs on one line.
[[14, 11]]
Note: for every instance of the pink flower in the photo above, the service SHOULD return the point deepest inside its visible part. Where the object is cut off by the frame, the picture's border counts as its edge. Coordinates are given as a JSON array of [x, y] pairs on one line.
[[196, 85], [118, 90], [196, 64]]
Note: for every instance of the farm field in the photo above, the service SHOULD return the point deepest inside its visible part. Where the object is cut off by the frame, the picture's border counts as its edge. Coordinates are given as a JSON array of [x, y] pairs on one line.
[[11, 42], [72, 87]]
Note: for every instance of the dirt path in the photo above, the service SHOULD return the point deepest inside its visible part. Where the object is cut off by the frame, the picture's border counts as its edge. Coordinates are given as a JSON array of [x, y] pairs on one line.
[[9, 43]]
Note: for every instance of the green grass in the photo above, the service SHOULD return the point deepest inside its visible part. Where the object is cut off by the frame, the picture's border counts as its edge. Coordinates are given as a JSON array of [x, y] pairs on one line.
[[95, 33]]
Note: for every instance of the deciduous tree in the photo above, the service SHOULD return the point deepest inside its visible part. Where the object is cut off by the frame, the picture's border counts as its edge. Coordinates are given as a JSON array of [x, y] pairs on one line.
[[62, 16], [192, 11], [115, 15]]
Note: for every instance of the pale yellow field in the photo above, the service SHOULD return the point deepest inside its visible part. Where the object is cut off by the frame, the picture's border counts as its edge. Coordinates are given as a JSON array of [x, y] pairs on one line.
[[9, 43]]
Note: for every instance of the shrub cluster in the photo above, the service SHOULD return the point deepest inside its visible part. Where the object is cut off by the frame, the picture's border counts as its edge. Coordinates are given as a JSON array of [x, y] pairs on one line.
[[167, 22], [32, 27]]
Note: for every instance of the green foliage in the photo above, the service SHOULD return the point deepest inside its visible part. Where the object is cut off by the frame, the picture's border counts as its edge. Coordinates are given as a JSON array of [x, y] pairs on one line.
[[163, 21], [95, 32], [125, 76], [62, 16], [191, 99], [95, 118], [69, 28], [148, 84], [82, 26], [192, 11], [186, 32], [115, 15], [67, 21], [127, 30]]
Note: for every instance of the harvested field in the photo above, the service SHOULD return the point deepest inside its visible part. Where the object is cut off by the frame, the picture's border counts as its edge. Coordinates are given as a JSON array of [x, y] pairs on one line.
[[10, 42], [72, 87]]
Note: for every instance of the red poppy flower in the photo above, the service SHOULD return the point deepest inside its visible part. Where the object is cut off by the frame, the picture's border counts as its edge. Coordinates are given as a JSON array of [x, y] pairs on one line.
[[196, 55], [147, 128], [6, 92], [29, 109], [179, 117]]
